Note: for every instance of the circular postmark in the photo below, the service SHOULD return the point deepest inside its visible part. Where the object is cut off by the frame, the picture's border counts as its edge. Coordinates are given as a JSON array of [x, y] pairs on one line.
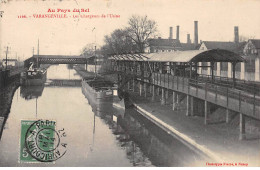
[[43, 142]]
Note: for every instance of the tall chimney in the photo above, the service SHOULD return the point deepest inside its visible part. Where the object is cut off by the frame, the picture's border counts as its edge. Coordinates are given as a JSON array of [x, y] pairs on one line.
[[188, 39], [196, 33], [170, 37], [177, 32], [236, 38]]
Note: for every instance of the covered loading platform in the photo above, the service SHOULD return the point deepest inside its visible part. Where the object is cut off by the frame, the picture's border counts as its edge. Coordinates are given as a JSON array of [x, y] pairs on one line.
[[182, 63], [177, 71]]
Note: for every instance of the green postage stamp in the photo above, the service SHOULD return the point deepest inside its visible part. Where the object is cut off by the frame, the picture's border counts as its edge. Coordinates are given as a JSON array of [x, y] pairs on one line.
[[40, 141]]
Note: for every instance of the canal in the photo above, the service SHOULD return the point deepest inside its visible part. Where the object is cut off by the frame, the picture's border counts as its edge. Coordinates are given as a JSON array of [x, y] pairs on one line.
[[95, 136]]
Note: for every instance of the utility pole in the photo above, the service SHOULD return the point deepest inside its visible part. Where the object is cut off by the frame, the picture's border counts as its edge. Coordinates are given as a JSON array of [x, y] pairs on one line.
[[6, 52], [95, 63], [38, 52], [95, 58], [17, 61]]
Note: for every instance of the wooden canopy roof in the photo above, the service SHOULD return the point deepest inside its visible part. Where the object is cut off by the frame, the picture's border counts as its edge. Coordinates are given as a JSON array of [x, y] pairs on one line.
[[215, 55]]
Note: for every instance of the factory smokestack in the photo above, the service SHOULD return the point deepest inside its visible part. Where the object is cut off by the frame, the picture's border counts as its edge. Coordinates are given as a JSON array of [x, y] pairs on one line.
[[170, 37], [188, 39], [178, 32], [236, 38], [196, 33]]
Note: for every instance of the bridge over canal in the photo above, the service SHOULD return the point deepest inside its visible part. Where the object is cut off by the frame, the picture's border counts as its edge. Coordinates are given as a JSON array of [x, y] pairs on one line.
[[177, 72], [55, 59]]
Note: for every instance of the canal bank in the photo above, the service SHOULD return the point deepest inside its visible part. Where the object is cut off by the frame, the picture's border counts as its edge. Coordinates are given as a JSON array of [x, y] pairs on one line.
[[9, 83], [6, 97], [217, 140], [8, 76]]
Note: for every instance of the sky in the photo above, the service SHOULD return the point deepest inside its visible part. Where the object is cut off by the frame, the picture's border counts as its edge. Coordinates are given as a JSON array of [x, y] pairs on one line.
[[67, 36]]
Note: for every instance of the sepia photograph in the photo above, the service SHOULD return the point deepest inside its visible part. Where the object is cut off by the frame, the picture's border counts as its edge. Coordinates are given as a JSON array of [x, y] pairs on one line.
[[133, 83]]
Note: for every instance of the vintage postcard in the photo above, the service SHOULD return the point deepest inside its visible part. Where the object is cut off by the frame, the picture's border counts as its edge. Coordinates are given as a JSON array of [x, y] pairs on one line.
[[133, 83]]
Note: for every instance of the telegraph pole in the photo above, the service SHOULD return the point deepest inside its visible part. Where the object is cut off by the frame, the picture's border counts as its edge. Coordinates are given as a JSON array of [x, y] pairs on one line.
[[95, 63], [6, 52], [38, 52], [17, 60]]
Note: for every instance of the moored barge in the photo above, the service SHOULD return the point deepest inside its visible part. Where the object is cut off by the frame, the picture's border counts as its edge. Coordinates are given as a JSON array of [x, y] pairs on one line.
[[101, 92], [97, 90], [33, 76]]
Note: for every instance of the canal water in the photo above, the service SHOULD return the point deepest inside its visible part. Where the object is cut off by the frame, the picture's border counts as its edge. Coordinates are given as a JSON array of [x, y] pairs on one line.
[[95, 136]]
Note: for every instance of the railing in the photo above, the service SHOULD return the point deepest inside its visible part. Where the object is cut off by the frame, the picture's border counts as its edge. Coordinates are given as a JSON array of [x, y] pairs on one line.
[[244, 97], [248, 86], [238, 100]]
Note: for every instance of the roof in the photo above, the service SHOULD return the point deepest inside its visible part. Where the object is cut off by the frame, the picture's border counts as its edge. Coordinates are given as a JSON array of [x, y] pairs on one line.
[[231, 46], [240, 47], [164, 42], [187, 46], [216, 55], [256, 43], [130, 57]]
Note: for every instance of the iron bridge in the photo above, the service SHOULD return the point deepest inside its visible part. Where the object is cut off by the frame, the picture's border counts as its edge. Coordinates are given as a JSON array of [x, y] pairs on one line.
[[55, 59]]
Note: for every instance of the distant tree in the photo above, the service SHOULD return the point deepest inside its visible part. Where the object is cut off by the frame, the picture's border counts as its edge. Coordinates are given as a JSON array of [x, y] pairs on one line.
[[132, 39], [245, 38], [88, 50], [140, 29], [118, 42]]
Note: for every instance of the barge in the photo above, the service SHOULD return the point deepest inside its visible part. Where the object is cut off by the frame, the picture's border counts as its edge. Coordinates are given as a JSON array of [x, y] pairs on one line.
[[97, 90], [33, 76], [101, 93]]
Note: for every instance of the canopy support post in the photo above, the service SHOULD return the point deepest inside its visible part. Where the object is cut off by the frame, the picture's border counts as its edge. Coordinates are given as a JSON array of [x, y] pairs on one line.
[[234, 73], [196, 70], [190, 70], [174, 69], [212, 71]]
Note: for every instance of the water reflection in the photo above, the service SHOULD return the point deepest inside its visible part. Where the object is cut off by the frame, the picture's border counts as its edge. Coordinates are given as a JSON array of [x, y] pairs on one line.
[[62, 72], [161, 148], [31, 92], [144, 142]]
